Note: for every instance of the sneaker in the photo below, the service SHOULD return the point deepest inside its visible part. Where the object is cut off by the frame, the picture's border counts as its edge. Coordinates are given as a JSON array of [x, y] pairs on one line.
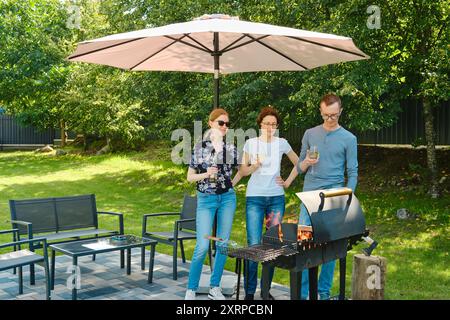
[[215, 293], [249, 297], [190, 295]]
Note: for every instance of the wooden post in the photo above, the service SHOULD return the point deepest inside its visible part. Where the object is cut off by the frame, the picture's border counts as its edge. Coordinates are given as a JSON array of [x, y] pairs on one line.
[[368, 277]]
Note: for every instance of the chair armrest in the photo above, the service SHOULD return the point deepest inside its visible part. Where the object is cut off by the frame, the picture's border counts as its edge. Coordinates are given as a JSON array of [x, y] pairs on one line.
[[13, 231], [150, 215], [29, 226], [177, 226], [160, 214], [120, 215], [29, 241]]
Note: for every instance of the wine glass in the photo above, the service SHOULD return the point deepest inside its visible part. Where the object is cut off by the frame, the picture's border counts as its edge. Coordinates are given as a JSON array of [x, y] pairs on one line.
[[261, 157], [213, 177], [313, 154]]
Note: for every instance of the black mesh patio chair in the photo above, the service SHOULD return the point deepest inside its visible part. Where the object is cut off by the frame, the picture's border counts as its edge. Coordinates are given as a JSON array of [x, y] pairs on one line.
[[61, 219], [19, 258], [184, 229]]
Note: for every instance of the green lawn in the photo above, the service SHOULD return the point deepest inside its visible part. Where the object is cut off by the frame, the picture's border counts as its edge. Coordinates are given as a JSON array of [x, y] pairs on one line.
[[142, 182]]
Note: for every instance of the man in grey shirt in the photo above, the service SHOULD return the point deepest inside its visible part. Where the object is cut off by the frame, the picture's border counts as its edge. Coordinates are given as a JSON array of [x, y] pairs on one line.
[[337, 151]]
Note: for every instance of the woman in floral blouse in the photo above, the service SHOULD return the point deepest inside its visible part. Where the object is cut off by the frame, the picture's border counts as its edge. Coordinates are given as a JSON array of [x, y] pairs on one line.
[[211, 167]]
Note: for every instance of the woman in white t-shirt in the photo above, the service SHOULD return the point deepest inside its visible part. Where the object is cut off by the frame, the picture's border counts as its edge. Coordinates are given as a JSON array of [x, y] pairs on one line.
[[265, 190]]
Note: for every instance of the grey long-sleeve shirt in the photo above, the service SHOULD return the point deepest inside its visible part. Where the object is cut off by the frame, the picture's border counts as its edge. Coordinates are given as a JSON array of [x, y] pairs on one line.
[[337, 152]]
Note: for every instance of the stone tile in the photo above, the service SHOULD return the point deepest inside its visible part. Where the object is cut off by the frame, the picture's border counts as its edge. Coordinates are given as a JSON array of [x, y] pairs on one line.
[[9, 284], [103, 279]]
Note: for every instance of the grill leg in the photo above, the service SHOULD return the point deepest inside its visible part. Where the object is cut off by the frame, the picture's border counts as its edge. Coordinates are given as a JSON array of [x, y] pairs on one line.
[[238, 271], [245, 275], [265, 281], [296, 284], [312, 273], [342, 269]]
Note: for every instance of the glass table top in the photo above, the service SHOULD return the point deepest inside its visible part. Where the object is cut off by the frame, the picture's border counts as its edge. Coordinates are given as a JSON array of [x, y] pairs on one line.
[[102, 244]]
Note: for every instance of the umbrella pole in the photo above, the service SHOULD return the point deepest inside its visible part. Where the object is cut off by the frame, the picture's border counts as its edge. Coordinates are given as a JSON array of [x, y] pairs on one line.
[[216, 54]]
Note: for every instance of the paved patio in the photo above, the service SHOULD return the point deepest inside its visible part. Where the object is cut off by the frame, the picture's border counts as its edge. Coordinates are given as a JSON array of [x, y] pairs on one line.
[[103, 279]]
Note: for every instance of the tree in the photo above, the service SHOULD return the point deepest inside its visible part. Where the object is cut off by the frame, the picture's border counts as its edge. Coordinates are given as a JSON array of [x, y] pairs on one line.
[[100, 101], [32, 37], [409, 59]]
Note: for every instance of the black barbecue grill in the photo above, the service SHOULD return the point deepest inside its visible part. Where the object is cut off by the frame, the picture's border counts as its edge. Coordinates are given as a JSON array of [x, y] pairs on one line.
[[337, 224]]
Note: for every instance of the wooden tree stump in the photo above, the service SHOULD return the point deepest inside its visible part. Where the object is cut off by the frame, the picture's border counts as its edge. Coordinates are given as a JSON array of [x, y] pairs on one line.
[[368, 277]]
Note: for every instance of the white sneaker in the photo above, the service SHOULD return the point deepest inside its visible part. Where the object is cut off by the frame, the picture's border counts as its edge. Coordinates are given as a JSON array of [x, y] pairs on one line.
[[215, 293], [190, 295]]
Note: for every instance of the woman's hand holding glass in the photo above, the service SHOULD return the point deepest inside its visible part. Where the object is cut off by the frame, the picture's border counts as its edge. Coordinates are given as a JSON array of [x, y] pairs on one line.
[[212, 172], [257, 162]]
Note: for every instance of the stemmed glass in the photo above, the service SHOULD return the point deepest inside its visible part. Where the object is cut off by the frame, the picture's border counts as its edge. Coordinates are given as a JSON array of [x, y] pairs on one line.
[[313, 154]]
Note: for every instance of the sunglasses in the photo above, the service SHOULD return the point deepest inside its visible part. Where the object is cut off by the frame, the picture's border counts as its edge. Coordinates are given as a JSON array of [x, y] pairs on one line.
[[222, 123]]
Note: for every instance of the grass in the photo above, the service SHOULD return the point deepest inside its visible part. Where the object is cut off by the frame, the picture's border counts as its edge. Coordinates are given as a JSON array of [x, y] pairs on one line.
[[135, 183]]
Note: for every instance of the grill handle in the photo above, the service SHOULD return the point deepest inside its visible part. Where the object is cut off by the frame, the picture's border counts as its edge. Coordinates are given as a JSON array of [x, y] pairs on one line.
[[335, 193]]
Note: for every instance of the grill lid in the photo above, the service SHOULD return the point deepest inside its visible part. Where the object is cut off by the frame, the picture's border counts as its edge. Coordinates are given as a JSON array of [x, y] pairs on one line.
[[335, 214]]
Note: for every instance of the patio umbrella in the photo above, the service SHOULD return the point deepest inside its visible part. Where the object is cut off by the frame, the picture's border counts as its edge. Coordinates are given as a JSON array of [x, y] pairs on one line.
[[218, 44]]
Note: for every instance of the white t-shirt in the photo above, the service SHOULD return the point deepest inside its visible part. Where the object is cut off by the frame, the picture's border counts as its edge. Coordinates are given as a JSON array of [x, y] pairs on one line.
[[263, 181]]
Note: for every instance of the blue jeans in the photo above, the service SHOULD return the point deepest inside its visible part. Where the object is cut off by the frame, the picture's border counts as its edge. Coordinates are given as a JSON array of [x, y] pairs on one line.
[[258, 208], [207, 206], [327, 269]]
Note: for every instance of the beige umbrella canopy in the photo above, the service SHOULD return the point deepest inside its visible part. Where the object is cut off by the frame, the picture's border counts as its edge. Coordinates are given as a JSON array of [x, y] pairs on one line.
[[218, 44]]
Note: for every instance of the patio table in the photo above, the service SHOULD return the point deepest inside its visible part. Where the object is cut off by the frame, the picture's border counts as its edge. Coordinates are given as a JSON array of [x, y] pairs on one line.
[[81, 248]]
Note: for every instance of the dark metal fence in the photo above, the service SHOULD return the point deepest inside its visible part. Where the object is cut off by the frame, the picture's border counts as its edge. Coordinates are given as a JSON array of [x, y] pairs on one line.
[[408, 129], [14, 134]]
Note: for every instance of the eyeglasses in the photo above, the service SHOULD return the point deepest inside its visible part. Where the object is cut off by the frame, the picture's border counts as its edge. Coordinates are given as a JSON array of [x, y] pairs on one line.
[[330, 116], [222, 123], [268, 124]]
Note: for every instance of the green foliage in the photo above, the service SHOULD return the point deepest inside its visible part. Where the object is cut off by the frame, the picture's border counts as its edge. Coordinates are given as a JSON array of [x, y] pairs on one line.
[[100, 101], [32, 49], [409, 59]]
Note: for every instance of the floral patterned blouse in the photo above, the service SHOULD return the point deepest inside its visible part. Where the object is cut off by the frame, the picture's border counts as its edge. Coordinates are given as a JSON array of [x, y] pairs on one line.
[[204, 156]]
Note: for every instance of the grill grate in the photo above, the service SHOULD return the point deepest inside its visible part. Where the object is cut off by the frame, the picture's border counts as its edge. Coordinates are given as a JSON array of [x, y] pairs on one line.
[[258, 252]]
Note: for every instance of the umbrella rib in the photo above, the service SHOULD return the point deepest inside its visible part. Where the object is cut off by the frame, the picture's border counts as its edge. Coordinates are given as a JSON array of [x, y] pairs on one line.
[[104, 48], [328, 46], [188, 44], [235, 41], [155, 53], [278, 52], [198, 42], [226, 49]]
